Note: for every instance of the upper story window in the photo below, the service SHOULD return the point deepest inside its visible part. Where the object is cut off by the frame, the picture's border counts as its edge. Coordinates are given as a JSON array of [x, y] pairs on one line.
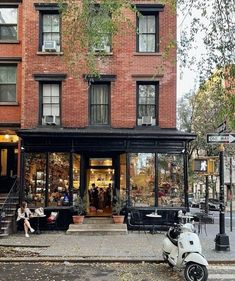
[[147, 33], [147, 103], [99, 20], [50, 106], [50, 32], [8, 83], [49, 27], [99, 104], [8, 24], [49, 97], [148, 27]]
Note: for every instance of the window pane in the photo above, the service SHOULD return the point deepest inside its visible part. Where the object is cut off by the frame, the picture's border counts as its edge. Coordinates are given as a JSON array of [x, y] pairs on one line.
[[55, 23], [7, 74], [142, 178], [35, 178], [58, 189], [146, 110], [147, 43], [7, 93], [55, 90], [8, 32], [8, 16], [147, 94], [170, 180], [99, 104], [142, 24], [151, 24]]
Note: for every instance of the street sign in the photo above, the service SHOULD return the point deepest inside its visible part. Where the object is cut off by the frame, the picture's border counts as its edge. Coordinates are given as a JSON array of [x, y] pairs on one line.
[[221, 128], [220, 138]]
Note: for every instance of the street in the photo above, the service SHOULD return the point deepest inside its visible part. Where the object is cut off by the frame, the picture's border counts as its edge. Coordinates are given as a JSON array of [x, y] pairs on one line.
[[103, 272]]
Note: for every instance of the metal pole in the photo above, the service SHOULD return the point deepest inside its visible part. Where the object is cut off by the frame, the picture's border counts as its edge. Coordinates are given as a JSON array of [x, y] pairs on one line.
[[186, 178], [231, 194], [207, 196], [222, 240]]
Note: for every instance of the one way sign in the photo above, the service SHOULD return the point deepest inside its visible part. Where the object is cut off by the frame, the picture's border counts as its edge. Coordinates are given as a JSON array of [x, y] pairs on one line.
[[220, 138]]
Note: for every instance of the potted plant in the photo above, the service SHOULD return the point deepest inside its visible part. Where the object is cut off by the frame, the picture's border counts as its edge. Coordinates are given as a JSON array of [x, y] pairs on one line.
[[117, 208], [80, 206]]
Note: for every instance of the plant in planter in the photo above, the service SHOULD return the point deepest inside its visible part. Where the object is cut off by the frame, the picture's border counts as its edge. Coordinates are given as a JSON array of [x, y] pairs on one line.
[[80, 206], [117, 208]]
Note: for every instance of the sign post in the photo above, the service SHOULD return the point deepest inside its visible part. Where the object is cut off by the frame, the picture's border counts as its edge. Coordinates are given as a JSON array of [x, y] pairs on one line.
[[221, 239]]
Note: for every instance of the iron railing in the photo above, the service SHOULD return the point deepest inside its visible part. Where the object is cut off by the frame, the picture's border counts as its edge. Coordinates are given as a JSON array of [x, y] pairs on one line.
[[9, 203]]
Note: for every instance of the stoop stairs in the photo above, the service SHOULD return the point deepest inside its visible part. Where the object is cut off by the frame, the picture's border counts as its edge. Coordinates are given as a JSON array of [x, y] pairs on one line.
[[8, 223], [97, 226]]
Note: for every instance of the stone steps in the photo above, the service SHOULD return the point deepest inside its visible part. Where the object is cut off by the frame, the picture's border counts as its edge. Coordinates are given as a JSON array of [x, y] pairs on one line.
[[97, 226]]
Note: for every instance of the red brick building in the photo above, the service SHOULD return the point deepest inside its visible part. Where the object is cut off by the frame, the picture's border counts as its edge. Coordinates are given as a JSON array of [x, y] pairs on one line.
[[116, 132], [11, 22]]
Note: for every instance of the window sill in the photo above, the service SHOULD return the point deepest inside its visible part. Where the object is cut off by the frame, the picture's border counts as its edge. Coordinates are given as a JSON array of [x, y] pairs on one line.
[[9, 41], [49, 53], [103, 54], [147, 54], [9, 103]]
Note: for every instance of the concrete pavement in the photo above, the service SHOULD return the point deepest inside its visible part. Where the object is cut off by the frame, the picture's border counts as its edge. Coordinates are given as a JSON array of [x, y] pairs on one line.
[[131, 247]]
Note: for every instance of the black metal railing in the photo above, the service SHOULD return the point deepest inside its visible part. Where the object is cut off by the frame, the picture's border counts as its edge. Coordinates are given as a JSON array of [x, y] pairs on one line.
[[9, 203]]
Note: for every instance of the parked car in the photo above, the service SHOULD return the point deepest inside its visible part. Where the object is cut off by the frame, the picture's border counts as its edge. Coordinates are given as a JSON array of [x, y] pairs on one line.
[[213, 204]]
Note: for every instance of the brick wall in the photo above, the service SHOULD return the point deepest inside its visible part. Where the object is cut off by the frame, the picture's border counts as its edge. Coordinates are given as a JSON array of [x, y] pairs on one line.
[[12, 113], [125, 63]]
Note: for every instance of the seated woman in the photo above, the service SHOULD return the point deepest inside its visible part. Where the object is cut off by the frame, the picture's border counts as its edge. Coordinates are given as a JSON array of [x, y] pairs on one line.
[[23, 216]]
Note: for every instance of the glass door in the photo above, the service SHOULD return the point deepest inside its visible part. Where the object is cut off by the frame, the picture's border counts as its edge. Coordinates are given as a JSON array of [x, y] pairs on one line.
[[100, 185]]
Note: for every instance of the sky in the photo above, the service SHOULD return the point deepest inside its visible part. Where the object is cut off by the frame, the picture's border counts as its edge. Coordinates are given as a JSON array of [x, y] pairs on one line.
[[187, 80]]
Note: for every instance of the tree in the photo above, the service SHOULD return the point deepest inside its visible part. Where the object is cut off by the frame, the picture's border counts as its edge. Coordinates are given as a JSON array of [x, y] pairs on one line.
[[202, 112]]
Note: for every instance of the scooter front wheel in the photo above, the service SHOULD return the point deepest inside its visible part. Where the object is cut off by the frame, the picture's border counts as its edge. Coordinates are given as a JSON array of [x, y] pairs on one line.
[[195, 272]]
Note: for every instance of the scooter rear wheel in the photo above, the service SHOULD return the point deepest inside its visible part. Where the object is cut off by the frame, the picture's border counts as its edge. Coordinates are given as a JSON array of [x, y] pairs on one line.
[[195, 272]]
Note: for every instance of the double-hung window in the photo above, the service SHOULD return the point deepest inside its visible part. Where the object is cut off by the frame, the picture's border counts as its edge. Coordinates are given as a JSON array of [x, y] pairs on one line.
[[8, 83], [49, 27], [148, 27], [147, 103], [147, 33], [50, 93], [100, 23], [8, 24], [50, 32], [99, 104]]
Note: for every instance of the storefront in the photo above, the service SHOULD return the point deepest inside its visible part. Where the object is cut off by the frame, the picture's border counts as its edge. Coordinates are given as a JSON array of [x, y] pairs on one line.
[[146, 167]]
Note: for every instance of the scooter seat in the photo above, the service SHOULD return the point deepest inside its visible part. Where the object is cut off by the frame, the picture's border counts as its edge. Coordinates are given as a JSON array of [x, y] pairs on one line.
[[173, 236]]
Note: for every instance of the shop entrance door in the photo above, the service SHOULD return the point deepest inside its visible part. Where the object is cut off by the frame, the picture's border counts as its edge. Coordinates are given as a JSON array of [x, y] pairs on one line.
[[100, 187]]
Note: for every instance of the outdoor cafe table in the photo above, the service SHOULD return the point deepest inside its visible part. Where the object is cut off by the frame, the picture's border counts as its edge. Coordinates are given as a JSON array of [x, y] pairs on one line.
[[186, 218], [154, 215], [38, 219]]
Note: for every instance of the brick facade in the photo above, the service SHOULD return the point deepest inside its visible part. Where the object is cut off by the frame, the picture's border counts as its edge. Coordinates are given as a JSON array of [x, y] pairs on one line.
[[124, 62]]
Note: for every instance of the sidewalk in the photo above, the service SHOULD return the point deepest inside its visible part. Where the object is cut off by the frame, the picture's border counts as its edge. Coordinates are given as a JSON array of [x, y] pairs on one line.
[[131, 247]]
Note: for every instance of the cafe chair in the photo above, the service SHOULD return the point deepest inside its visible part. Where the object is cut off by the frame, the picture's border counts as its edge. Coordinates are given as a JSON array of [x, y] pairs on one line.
[[137, 220], [52, 221]]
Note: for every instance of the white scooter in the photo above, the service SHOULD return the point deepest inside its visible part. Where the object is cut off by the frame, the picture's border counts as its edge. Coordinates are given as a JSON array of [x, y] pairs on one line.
[[182, 250]]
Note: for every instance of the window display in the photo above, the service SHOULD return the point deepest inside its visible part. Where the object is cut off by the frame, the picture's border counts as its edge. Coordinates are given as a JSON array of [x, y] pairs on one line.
[[142, 179], [170, 180]]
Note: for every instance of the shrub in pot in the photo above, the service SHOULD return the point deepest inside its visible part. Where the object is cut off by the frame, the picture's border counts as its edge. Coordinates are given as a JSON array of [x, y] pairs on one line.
[[80, 207], [117, 208]]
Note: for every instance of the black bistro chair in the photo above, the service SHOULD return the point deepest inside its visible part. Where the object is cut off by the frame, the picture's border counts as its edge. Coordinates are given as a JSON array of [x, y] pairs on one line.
[[137, 220]]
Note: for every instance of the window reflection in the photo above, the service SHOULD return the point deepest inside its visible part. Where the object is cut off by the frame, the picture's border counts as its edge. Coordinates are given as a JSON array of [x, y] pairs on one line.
[[58, 189], [142, 175], [170, 180], [123, 175], [35, 178]]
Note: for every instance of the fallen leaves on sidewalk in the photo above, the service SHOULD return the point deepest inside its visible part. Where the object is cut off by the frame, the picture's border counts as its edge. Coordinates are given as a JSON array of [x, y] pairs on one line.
[[18, 252]]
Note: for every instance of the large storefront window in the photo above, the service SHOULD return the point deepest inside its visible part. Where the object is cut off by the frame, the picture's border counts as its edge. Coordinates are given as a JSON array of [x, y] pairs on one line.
[[58, 189], [170, 180], [142, 178], [123, 175], [35, 178], [76, 175]]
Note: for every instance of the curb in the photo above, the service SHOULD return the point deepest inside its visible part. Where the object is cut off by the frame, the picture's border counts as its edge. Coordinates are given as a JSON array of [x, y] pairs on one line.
[[95, 259]]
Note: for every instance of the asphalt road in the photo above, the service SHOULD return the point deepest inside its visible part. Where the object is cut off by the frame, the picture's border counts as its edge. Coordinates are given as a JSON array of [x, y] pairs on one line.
[[103, 272]]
